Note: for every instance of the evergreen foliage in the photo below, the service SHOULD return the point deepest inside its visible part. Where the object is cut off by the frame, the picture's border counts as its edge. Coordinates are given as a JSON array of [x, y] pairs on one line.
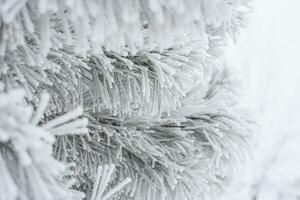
[[148, 76]]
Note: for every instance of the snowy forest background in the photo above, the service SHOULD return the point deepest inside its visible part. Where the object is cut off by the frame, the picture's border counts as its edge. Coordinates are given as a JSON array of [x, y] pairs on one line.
[[267, 53]]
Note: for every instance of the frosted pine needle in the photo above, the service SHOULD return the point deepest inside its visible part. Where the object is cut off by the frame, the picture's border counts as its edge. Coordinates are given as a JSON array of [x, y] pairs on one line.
[[103, 176]]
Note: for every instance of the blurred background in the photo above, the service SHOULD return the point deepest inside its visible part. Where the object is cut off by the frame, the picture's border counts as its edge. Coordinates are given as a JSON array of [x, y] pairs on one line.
[[267, 54]]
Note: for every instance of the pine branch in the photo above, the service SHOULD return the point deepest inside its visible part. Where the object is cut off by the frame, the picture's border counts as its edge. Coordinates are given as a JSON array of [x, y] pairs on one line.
[[27, 167], [204, 139], [118, 26], [149, 76]]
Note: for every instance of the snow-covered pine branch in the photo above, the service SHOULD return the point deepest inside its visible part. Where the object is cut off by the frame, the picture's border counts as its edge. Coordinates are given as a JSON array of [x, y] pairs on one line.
[[207, 136], [37, 71], [149, 76], [119, 25], [67, 76], [28, 169]]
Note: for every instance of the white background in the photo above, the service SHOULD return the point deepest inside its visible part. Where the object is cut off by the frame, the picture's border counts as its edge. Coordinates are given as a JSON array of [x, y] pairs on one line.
[[268, 55]]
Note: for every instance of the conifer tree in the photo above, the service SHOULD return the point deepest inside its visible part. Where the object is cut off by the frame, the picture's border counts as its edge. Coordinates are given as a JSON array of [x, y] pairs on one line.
[[119, 99]]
